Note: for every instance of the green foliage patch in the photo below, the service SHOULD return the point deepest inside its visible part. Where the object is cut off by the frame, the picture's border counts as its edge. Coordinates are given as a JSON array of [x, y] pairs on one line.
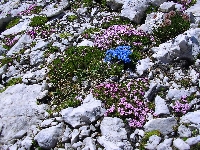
[[174, 24], [38, 21], [12, 23], [78, 65]]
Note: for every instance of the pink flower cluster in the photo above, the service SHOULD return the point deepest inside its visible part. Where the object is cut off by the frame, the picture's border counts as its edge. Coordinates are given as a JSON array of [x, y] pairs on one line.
[[40, 31], [125, 100], [10, 41], [119, 35], [28, 10], [181, 106]]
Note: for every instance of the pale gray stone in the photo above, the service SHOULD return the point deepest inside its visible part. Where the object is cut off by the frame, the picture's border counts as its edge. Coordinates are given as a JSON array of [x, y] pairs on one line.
[[115, 4], [89, 143], [47, 138], [24, 39], [167, 6], [51, 11], [19, 110], [84, 114], [41, 44], [193, 140], [20, 134], [134, 9], [27, 143], [152, 143], [67, 135], [157, 2], [86, 42], [176, 94], [191, 117], [165, 145], [160, 106], [180, 144], [143, 65], [113, 133], [183, 131], [36, 57], [21, 26], [195, 10], [46, 123], [2, 50], [74, 136], [164, 125]]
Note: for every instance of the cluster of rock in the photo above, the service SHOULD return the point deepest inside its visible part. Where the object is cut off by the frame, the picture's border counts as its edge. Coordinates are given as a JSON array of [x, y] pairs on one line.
[[23, 122]]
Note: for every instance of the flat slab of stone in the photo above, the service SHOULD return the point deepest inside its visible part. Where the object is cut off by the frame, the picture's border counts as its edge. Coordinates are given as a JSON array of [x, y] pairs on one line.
[[19, 110], [164, 125]]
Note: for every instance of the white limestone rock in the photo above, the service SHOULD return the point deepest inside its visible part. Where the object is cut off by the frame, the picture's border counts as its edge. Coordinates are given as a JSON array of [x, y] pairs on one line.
[[47, 138], [86, 42], [176, 94], [152, 143], [19, 110], [21, 26], [183, 131], [2, 50], [74, 136], [193, 140], [113, 132], [115, 4], [195, 10], [180, 144], [55, 9], [191, 117], [89, 144], [66, 135], [46, 123], [134, 10], [20, 134], [24, 39], [167, 6], [41, 44], [36, 57], [157, 2], [143, 65], [160, 106], [164, 125], [84, 114], [153, 20], [165, 145], [27, 143]]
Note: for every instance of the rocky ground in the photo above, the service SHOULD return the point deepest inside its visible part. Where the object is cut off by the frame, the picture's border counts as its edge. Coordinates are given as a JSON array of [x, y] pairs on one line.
[[172, 68]]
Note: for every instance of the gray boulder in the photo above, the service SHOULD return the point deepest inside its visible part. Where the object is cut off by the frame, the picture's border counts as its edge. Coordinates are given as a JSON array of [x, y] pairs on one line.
[[183, 131], [113, 133], [183, 46], [2, 50], [164, 125], [167, 6], [152, 143], [47, 138], [143, 65], [134, 9], [195, 10], [85, 114], [160, 106], [191, 117], [19, 110], [193, 140], [115, 4], [180, 144], [165, 145], [52, 10]]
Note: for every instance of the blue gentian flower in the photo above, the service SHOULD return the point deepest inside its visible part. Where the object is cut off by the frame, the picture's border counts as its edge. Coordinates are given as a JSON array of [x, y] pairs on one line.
[[121, 53]]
